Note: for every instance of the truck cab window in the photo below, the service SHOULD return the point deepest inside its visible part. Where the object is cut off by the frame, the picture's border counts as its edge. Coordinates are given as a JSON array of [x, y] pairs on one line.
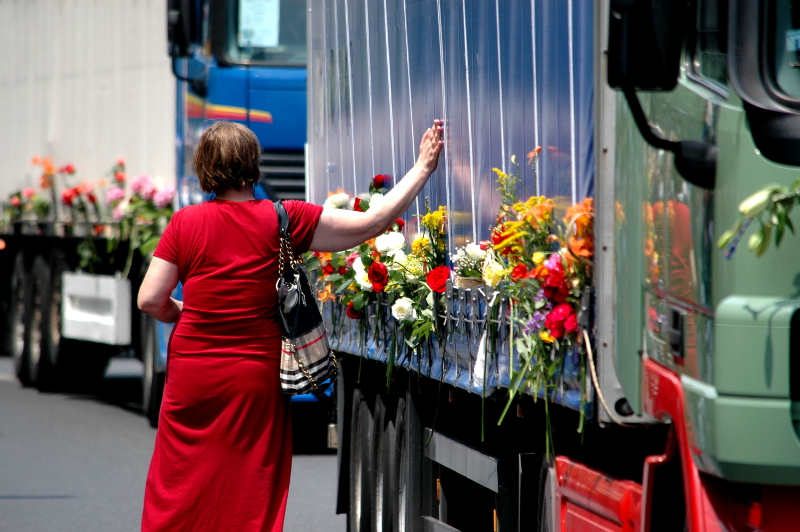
[[708, 42], [267, 31], [784, 41]]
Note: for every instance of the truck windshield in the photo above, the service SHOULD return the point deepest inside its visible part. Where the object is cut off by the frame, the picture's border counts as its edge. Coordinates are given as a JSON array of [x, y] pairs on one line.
[[784, 40], [267, 32]]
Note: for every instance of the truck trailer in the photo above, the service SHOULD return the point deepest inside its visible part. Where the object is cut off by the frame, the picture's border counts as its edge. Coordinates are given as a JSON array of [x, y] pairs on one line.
[[675, 409]]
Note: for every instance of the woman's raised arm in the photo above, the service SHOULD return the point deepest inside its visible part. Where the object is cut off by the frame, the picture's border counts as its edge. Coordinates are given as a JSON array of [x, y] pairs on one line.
[[339, 229]]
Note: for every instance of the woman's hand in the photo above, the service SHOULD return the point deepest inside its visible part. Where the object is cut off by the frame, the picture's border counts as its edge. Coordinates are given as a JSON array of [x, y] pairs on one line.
[[339, 229], [430, 148]]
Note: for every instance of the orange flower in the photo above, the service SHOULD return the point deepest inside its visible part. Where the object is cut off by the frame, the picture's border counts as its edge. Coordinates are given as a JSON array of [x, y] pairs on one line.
[[581, 247], [47, 166], [2, 244], [326, 294], [540, 214], [45, 181], [323, 256], [533, 154], [102, 182], [36, 161], [581, 214], [371, 243]]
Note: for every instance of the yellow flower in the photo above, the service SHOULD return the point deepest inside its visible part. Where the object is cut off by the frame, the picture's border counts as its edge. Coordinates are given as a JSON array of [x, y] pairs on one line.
[[539, 257], [420, 245], [546, 337], [434, 221], [493, 272]]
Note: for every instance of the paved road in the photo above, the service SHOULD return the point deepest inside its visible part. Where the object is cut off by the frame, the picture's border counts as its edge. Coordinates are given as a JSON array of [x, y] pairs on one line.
[[78, 462]]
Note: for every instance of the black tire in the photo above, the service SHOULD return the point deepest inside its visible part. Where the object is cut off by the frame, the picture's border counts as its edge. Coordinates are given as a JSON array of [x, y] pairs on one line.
[[18, 324], [361, 429], [382, 442], [55, 367], [40, 369], [153, 379], [399, 470]]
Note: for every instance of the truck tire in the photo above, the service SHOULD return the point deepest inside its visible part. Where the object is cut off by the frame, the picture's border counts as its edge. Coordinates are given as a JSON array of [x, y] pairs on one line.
[[152, 379], [399, 470], [361, 429], [382, 442], [40, 370], [18, 324]]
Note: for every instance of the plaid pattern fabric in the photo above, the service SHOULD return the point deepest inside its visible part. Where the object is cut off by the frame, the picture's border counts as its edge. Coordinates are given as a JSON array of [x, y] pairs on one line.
[[306, 362]]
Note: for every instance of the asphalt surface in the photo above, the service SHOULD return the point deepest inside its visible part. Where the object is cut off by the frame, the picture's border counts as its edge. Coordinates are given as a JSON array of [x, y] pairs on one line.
[[78, 463]]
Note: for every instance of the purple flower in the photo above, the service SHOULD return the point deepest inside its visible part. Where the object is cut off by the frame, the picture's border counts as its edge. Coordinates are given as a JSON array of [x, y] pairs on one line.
[[539, 296], [114, 194], [534, 324], [164, 197]]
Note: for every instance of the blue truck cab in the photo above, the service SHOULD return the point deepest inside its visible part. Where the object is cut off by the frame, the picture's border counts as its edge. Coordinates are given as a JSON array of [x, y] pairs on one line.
[[242, 61]]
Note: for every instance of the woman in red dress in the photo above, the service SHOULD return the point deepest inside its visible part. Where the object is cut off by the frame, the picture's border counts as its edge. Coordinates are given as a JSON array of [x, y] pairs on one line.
[[223, 449]]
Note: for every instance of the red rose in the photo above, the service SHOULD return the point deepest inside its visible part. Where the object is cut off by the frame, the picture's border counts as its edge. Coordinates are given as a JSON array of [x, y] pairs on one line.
[[353, 313], [91, 198], [357, 205], [378, 275], [67, 169], [119, 176], [342, 270], [98, 229], [327, 269], [400, 224], [520, 271], [68, 196], [555, 285], [15, 201], [120, 162], [437, 279], [485, 244], [380, 180]]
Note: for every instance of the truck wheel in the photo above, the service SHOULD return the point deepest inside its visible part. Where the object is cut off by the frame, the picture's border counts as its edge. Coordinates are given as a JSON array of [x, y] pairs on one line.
[[53, 363], [379, 470], [18, 326], [152, 380], [399, 470], [39, 364], [359, 511]]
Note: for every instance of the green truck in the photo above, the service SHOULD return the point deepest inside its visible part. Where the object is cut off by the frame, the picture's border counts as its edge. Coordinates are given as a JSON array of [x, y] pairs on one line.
[[668, 114]]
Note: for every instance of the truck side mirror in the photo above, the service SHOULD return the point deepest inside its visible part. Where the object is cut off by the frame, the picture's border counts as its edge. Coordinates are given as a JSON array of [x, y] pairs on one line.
[[181, 27], [645, 38]]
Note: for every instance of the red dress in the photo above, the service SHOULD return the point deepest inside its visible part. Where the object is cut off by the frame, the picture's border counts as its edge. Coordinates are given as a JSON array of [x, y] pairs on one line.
[[223, 450]]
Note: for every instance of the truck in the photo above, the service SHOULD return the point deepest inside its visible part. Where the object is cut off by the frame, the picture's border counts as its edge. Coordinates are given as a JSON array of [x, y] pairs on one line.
[[675, 406], [225, 60]]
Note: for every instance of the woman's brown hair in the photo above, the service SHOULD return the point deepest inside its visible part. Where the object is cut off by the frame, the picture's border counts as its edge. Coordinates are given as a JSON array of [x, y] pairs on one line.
[[227, 157]]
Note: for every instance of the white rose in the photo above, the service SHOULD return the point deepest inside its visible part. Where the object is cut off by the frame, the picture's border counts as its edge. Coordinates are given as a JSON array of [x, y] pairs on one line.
[[328, 204], [403, 310], [362, 278], [358, 266], [339, 200], [390, 241], [474, 252], [398, 258], [376, 201]]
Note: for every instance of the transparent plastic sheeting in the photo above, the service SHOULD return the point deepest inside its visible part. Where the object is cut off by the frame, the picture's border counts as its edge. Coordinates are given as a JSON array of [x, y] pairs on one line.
[[505, 76]]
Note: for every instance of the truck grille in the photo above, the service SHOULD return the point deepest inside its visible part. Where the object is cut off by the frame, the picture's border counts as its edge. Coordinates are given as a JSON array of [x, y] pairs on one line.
[[283, 174]]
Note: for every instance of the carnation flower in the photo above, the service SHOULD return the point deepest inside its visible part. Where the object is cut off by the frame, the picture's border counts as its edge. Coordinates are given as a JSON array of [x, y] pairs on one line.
[[164, 197], [358, 264], [389, 242], [403, 310], [28, 193], [114, 194], [493, 272], [143, 187], [351, 259]]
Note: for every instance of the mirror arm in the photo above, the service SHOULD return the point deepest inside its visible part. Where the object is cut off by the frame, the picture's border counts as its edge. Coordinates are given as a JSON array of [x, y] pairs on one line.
[[695, 161], [199, 85]]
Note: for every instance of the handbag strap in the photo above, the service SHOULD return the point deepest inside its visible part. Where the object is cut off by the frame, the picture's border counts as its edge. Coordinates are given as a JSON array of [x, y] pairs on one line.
[[283, 232]]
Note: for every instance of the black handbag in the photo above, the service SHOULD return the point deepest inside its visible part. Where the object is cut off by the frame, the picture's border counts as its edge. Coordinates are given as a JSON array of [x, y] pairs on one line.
[[307, 361]]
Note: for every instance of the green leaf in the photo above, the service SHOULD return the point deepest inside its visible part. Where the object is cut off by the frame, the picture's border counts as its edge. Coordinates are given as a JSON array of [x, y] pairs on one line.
[[359, 301], [341, 288], [333, 278]]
